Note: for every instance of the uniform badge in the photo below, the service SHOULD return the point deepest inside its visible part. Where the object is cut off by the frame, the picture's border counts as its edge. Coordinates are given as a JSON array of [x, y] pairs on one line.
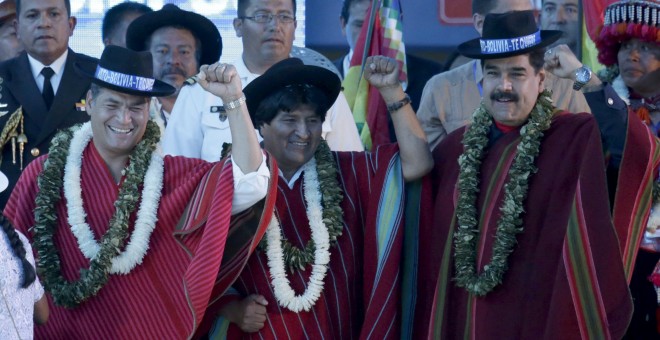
[[220, 110], [2, 106]]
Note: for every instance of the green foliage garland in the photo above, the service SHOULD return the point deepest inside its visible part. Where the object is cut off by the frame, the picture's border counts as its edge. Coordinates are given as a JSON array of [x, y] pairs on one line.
[[466, 235], [70, 294]]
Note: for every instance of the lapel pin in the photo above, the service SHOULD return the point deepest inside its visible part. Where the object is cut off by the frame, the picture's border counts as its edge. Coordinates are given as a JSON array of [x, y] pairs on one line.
[[80, 106]]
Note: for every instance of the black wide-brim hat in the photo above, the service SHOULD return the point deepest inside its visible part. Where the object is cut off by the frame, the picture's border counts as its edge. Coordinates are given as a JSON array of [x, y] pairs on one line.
[[508, 34], [140, 30], [291, 71], [127, 71]]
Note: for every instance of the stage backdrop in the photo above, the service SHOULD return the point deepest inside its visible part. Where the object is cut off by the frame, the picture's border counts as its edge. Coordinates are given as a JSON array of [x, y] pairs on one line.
[[87, 35]]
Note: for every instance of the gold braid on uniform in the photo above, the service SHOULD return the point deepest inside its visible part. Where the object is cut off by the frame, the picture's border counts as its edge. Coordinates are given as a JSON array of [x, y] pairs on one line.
[[10, 129]]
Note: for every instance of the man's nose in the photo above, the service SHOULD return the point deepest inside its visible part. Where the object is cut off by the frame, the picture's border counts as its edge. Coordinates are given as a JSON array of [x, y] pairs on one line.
[[561, 15], [302, 130]]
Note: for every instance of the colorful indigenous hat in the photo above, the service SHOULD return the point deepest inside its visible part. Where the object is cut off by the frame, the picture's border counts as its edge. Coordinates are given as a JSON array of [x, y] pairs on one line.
[[508, 34], [127, 71], [140, 30], [7, 10], [287, 72], [625, 20]]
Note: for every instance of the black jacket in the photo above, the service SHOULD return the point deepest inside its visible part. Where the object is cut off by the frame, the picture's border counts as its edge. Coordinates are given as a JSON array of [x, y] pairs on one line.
[[19, 88]]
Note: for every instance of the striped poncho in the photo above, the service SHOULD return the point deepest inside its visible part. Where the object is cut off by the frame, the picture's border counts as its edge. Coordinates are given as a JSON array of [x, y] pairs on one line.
[[565, 278], [361, 293], [192, 251]]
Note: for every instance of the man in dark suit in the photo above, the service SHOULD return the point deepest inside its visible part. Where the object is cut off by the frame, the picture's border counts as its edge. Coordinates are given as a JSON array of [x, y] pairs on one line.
[[44, 28], [420, 70]]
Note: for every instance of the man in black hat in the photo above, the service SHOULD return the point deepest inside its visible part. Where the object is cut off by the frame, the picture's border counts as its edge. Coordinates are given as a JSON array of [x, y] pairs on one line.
[[180, 42], [519, 242], [130, 242], [450, 98], [329, 264]]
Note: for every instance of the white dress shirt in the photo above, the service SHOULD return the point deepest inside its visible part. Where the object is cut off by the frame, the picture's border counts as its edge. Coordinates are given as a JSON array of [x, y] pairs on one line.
[[195, 129], [249, 188]]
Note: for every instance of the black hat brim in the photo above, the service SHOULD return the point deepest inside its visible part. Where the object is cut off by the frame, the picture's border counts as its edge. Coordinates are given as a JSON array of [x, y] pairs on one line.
[[160, 88], [140, 30], [276, 79], [472, 48]]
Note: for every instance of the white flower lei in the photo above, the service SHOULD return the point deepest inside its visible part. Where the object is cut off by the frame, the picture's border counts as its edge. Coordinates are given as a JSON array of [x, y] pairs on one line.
[[282, 290], [146, 217], [621, 89]]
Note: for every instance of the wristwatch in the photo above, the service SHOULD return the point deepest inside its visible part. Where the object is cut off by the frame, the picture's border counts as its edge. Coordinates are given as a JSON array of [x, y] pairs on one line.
[[582, 77]]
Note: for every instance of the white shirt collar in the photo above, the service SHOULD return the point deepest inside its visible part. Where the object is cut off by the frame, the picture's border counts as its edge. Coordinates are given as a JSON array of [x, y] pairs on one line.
[[58, 67], [295, 176], [245, 74]]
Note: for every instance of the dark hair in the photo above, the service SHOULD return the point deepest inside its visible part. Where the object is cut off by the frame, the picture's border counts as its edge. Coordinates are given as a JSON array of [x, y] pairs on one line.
[[242, 6], [198, 42], [535, 59], [288, 99], [116, 14], [67, 4], [483, 6], [17, 246], [95, 89], [346, 7]]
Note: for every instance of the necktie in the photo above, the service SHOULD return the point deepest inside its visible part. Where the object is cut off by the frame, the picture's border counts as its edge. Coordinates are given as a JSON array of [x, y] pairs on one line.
[[47, 91]]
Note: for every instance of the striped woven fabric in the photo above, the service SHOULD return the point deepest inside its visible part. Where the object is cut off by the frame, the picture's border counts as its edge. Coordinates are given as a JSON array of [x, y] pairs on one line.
[[167, 295], [361, 296], [564, 280], [632, 203]]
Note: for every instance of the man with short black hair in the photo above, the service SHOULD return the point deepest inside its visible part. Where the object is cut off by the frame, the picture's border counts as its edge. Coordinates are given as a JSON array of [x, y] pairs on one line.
[[116, 21], [267, 29], [563, 15], [42, 83], [180, 42], [519, 243]]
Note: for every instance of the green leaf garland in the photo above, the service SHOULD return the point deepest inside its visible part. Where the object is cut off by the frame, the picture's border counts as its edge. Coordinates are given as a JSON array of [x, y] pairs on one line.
[[70, 294], [466, 235]]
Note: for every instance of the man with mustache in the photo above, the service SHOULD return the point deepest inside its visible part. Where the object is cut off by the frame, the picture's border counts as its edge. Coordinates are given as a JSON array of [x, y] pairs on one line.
[[267, 30], [450, 98], [42, 83], [180, 42], [519, 243]]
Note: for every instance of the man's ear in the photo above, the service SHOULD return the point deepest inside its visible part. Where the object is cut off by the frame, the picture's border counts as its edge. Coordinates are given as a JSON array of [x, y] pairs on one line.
[[541, 80], [478, 21], [342, 23], [88, 102], [72, 24], [238, 27]]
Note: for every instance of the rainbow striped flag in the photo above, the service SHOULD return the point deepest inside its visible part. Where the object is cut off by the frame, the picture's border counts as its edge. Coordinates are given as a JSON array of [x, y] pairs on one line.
[[381, 35]]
